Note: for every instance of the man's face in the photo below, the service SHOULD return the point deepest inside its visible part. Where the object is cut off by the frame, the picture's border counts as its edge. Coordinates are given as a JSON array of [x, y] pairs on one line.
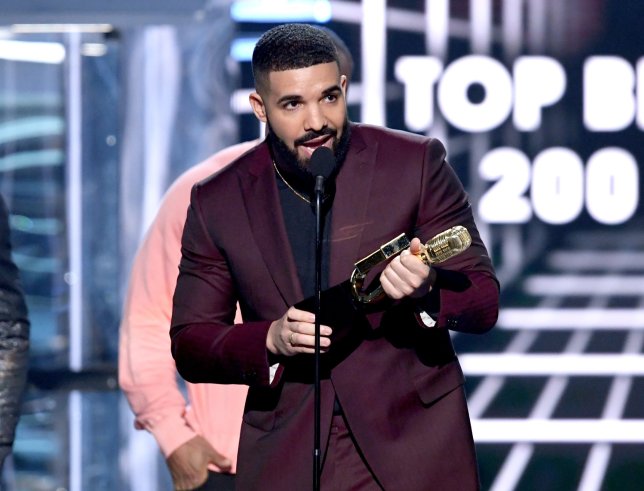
[[305, 108]]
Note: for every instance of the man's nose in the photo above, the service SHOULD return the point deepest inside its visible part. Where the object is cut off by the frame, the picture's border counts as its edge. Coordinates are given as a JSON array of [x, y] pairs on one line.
[[315, 119]]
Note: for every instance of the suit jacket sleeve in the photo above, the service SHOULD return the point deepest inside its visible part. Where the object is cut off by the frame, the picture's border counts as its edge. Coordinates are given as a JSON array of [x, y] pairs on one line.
[[466, 293]]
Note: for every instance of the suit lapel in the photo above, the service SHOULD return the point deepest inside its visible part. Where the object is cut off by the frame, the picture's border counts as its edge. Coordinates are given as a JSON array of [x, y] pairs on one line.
[[353, 188], [267, 225], [349, 219]]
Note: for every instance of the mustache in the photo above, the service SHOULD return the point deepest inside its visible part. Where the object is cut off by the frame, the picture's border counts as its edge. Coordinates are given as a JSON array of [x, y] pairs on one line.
[[312, 135]]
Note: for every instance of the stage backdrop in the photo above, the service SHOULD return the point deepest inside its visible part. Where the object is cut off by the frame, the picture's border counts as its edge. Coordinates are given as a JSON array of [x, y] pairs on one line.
[[541, 107], [540, 104]]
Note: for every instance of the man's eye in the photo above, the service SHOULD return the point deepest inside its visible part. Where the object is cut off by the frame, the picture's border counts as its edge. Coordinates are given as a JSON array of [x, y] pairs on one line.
[[332, 98], [291, 105]]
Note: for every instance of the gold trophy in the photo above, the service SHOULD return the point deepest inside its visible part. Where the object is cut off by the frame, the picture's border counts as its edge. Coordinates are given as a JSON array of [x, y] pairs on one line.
[[440, 248]]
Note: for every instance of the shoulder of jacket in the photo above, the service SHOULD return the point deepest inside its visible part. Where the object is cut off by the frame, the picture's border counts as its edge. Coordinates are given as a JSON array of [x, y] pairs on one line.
[[385, 134]]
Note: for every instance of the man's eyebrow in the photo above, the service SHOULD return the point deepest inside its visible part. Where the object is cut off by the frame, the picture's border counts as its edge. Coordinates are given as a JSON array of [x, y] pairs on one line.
[[289, 98], [296, 98], [331, 90]]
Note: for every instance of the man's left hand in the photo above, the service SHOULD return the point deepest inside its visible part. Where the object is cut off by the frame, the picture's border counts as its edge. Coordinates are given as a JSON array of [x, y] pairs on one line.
[[407, 275]]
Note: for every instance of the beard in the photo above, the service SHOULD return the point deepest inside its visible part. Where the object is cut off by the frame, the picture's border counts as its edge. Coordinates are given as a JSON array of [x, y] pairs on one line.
[[288, 158], [296, 170]]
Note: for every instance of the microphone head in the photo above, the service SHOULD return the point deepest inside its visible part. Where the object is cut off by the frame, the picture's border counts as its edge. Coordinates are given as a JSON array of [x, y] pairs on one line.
[[448, 244], [322, 162]]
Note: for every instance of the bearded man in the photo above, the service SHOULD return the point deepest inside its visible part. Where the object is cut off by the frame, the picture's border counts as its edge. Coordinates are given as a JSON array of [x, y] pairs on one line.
[[392, 406]]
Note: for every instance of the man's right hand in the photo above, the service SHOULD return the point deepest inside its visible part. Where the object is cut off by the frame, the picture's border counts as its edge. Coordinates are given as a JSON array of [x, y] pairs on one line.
[[188, 464], [294, 333]]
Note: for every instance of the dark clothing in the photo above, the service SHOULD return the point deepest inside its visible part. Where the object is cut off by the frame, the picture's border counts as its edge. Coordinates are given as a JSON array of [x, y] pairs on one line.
[[299, 219], [218, 482], [400, 384], [344, 466], [14, 339]]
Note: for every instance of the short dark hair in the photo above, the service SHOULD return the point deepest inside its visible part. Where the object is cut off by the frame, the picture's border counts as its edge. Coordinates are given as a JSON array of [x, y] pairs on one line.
[[344, 55], [289, 47]]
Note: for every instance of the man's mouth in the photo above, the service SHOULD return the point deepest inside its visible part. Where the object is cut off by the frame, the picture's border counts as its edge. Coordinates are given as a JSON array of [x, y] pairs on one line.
[[309, 146]]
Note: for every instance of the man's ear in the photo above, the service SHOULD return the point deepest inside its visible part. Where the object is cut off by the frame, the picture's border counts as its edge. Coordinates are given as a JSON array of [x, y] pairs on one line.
[[257, 103], [343, 84]]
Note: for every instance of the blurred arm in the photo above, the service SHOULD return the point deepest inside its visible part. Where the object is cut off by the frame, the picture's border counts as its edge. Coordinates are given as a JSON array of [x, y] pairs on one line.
[[14, 340], [147, 372]]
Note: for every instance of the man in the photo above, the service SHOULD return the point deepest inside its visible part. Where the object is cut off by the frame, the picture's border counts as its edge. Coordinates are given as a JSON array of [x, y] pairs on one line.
[[14, 340], [393, 412], [204, 435]]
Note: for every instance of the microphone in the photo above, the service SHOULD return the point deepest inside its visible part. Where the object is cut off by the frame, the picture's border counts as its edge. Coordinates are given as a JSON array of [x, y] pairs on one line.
[[321, 166]]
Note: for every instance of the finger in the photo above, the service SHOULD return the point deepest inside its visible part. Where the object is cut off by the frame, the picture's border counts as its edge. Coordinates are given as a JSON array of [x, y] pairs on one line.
[[414, 263], [300, 340], [389, 287], [395, 272], [402, 280], [289, 335], [309, 329], [202, 478], [297, 315], [415, 246], [303, 334], [221, 461], [325, 345], [410, 269], [193, 483], [187, 483], [414, 272], [298, 326]]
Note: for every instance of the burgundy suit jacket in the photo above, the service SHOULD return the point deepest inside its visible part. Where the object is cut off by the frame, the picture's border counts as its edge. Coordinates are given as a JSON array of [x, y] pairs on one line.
[[401, 386]]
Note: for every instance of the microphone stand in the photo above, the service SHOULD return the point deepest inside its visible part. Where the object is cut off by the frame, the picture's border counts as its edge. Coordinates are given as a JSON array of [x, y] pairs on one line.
[[319, 191]]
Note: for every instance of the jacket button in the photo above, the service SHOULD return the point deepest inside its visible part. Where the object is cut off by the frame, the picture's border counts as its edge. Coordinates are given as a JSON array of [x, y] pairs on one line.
[[249, 376]]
